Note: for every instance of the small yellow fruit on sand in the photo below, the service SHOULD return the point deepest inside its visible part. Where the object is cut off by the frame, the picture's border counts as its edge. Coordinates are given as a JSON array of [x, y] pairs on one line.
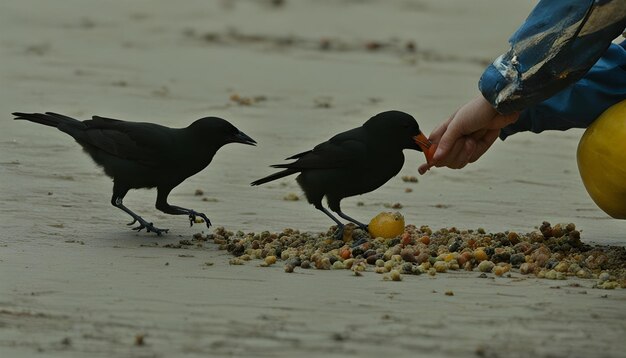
[[387, 225], [395, 275], [270, 260], [602, 161], [440, 266], [486, 266], [480, 255]]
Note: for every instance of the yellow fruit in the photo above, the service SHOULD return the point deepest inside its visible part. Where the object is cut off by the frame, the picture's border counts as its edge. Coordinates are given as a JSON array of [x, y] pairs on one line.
[[602, 161], [387, 225], [270, 260], [480, 255]]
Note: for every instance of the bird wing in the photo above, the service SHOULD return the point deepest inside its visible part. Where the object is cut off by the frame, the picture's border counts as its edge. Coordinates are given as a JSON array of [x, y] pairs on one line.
[[346, 149], [145, 143]]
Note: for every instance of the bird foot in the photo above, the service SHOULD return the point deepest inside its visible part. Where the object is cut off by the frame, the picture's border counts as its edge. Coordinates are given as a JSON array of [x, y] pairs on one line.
[[338, 235], [149, 227], [359, 242], [194, 214]]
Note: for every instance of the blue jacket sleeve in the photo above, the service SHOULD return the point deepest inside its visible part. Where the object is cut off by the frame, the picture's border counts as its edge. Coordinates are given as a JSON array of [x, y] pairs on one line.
[[578, 105], [556, 46]]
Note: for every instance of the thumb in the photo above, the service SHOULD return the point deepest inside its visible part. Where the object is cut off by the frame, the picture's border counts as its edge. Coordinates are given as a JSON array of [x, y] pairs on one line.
[[448, 139]]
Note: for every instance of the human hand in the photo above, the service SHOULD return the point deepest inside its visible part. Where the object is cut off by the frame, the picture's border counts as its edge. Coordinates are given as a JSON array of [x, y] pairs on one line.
[[467, 135]]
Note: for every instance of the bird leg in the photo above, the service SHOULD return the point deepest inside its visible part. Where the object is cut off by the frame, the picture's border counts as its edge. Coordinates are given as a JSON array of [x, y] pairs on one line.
[[162, 205], [177, 210], [143, 224], [360, 224], [339, 233]]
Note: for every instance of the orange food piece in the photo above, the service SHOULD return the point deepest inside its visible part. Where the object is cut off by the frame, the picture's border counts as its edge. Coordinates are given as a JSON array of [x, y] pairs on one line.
[[430, 153], [387, 225], [406, 239], [345, 253], [463, 258]]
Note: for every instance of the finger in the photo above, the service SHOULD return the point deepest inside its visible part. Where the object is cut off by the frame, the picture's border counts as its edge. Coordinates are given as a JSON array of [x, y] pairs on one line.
[[447, 142], [455, 155], [422, 169], [437, 134], [466, 151], [484, 144], [479, 134]]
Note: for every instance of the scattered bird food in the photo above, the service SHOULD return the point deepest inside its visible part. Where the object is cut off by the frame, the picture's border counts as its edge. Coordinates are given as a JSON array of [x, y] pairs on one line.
[[551, 252]]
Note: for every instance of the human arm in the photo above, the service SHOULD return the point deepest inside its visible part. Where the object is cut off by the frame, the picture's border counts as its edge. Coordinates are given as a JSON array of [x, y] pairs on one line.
[[467, 134], [555, 47], [580, 104], [546, 56]]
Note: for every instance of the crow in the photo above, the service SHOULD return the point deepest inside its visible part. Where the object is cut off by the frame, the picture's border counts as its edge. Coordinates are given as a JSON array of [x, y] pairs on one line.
[[353, 162], [146, 155]]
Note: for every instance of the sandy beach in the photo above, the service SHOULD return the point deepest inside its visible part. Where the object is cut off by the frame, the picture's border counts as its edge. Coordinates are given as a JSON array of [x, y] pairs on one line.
[[76, 282]]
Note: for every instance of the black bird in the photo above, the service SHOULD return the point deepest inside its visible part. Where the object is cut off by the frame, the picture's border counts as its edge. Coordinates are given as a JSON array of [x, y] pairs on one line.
[[146, 155], [354, 162]]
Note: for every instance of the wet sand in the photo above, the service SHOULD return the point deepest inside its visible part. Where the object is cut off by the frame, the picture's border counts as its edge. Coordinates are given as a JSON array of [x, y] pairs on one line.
[[74, 281]]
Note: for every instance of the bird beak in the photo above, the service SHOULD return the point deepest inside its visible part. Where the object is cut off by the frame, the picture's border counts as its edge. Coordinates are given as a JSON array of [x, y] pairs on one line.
[[241, 137], [422, 142], [424, 145]]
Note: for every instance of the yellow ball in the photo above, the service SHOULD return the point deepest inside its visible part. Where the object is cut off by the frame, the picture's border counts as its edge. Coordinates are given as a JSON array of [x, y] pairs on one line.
[[602, 160], [386, 225]]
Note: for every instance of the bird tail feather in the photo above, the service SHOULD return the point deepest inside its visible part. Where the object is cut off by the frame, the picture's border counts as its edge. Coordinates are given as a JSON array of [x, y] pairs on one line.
[[272, 177], [49, 118]]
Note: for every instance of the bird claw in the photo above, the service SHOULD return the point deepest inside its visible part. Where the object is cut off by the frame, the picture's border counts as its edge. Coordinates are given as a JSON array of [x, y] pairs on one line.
[[339, 233], [206, 220], [150, 228], [359, 242], [132, 222], [193, 215]]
